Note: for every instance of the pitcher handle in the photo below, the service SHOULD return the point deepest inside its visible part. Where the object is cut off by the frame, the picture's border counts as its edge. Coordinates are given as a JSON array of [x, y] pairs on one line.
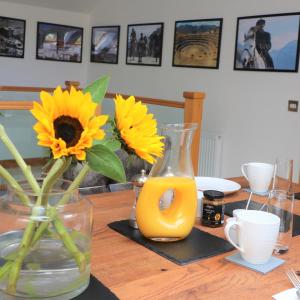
[[230, 223], [244, 171]]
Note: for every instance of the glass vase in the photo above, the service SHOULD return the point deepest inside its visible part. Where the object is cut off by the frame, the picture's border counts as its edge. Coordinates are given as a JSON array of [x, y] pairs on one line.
[[44, 249], [166, 207]]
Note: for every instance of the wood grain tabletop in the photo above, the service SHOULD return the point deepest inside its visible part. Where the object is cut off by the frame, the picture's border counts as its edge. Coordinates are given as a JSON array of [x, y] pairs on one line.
[[132, 271]]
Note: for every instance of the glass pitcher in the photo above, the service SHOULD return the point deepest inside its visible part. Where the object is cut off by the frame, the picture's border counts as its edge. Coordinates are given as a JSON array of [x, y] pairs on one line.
[[166, 207]]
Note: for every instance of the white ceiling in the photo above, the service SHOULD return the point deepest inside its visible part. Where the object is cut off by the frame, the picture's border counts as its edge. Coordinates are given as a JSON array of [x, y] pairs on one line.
[[83, 6]]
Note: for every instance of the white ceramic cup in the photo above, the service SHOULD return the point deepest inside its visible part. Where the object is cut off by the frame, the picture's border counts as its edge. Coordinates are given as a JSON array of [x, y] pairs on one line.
[[256, 236], [259, 175]]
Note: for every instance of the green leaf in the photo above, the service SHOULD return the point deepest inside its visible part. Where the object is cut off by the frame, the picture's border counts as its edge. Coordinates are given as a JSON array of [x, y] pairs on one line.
[[112, 144], [102, 160], [98, 89]]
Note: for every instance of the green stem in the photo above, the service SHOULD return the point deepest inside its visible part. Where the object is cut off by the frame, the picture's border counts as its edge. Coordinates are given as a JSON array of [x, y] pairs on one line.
[[74, 185], [51, 213], [58, 168], [56, 171], [64, 235], [69, 244], [5, 268], [62, 201], [14, 184], [30, 236], [21, 163], [67, 239], [22, 251]]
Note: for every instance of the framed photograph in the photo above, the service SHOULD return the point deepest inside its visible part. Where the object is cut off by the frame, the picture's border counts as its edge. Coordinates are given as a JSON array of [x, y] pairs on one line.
[[267, 43], [197, 43], [59, 42], [144, 44], [12, 37], [105, 44]]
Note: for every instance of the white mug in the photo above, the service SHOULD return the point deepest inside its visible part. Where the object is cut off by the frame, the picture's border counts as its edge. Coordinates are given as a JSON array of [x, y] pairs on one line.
[[256, 236], [259, 175]]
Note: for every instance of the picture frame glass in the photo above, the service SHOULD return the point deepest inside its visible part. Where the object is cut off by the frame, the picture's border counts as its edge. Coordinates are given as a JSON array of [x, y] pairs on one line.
[[59, 42], [267, 43], [144, 44], [12, 37], [197, 43], [105, 44]]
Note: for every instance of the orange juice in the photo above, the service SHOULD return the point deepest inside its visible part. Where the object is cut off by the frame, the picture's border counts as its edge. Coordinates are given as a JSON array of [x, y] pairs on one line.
[[173, 223]]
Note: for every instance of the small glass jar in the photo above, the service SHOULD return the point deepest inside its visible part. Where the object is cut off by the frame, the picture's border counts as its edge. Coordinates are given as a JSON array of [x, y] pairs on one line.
[[138, 183], [213, 208]]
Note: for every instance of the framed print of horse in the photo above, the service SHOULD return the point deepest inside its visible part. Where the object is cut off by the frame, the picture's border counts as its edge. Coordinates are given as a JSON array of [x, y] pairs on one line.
[[197, 43], [144, 44], [267, 43], [12, 37], [105, 44]]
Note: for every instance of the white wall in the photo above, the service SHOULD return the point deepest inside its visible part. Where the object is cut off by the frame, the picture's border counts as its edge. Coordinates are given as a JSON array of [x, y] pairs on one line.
[[248, 108], [29, 71]]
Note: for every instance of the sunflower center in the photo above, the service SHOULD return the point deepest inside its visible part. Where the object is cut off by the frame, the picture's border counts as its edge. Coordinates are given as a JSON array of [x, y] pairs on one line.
[[68, 129]]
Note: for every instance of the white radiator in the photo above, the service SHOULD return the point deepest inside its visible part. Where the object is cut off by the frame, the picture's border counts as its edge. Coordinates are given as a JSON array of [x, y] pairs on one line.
[[210, 154]]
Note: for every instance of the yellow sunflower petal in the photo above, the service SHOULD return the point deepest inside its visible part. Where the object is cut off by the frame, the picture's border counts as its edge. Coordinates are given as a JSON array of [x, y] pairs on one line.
[[137, 128], [47, 102], [66, 122]]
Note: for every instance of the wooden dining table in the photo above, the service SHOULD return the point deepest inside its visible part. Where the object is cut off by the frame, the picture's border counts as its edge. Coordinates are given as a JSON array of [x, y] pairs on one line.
[[132, 271]]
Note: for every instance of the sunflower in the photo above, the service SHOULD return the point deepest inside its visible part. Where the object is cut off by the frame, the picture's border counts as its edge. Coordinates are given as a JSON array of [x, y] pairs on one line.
[[137, 129], [67, 123]]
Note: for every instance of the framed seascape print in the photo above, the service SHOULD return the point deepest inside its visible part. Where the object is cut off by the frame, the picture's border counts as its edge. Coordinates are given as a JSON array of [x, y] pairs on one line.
[[267, 43], [12, 37], [144, 44], [105, 44], [197, 43], [59, 42]]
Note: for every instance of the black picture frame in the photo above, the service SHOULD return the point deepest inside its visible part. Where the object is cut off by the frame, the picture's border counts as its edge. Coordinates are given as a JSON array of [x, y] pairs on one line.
[[108, 44], [12, 37], [197, 43], [56, 49], [268, 43], [149, 52]]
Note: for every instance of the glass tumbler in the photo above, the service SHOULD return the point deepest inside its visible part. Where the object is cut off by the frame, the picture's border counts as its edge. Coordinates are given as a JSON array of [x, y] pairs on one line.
[[281, 203]]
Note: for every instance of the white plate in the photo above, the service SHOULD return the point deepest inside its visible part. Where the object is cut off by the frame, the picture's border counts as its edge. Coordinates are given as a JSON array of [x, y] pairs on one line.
[[218, 184]]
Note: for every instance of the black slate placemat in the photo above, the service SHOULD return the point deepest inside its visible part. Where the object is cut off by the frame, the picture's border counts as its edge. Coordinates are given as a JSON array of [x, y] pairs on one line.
[[198, 245], [96, 291], [230, 207]]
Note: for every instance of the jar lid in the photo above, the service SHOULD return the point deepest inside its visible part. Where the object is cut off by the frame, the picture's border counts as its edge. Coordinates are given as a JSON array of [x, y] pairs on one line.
[[211, 194]]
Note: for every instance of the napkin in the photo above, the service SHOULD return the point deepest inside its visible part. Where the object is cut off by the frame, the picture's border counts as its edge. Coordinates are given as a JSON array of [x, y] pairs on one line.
[[289, 294]]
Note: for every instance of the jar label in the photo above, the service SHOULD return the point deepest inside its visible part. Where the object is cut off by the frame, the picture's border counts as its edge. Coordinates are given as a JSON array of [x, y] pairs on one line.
[[213, 214]]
